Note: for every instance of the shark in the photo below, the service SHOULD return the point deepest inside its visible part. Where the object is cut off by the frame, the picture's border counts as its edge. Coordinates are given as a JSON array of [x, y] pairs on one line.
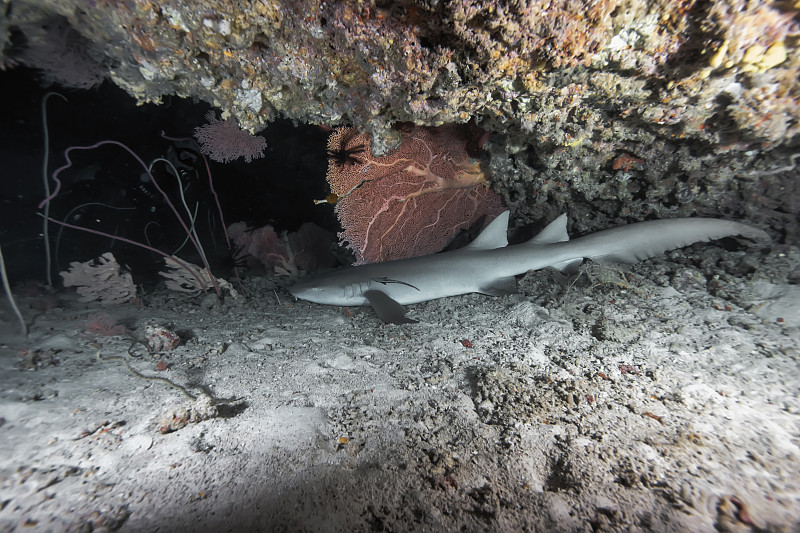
[[489, 265]]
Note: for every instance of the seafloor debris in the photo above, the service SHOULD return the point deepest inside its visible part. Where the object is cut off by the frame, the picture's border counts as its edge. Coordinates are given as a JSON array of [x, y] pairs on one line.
[[178, 416], [160, 338]]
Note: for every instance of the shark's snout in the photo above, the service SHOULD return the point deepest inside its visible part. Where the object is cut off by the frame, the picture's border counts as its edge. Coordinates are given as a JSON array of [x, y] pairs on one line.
[[305, 290], [297, 290]]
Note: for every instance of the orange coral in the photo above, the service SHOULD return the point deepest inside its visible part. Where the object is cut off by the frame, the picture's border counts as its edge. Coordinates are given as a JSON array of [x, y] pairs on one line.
[[626, 161]]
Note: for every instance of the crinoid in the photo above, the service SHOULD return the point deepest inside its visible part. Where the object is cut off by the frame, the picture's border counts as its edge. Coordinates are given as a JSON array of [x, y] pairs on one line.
[[341, 153]]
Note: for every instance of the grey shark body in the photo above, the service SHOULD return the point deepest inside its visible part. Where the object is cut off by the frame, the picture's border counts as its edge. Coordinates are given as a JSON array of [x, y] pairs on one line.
[[488, 264]]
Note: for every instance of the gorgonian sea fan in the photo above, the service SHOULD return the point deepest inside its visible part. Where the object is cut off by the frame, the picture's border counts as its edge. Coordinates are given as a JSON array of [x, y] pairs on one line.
[[411, 202]]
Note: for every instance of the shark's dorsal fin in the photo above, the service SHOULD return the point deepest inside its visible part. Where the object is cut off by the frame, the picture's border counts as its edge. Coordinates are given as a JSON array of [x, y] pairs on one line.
[[493, 236], [556, 231]]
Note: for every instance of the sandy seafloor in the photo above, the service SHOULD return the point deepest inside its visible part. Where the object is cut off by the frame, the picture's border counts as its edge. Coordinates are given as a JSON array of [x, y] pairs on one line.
[[663, 396]]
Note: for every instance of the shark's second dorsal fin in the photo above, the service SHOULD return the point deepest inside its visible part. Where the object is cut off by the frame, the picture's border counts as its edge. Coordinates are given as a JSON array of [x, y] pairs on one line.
[[493, 236], [556, 231]]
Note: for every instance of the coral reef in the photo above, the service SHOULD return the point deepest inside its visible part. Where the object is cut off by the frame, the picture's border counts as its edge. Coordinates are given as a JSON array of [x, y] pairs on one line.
[[180, 415], [412, 201], [704, 93], [160, 338]]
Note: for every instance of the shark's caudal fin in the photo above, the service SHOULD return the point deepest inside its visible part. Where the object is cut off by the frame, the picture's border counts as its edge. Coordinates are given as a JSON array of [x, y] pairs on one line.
[[642, 240]]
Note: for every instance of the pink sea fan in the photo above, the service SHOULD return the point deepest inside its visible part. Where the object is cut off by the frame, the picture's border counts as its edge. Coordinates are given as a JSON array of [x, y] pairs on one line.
[[266, 246], [311, 246], [306, 249], [63, 55], [105, 325], [410, 202], [224, 141]]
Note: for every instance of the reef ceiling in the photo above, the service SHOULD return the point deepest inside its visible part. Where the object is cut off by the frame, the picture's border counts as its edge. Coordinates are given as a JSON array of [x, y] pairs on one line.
[[613, 110]]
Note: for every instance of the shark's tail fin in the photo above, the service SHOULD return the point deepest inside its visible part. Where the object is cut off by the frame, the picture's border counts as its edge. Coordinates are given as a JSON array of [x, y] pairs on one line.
[[635, 242]]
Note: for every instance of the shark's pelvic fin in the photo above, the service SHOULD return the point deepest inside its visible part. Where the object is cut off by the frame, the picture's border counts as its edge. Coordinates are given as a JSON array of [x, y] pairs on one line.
[[567, 266], [387, 309], [500, 287]]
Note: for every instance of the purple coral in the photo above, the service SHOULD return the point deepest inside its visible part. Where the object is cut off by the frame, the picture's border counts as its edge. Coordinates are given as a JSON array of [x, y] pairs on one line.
[[224, 141]]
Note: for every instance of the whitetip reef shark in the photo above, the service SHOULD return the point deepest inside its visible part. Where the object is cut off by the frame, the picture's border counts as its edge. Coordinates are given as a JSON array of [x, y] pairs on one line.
[[488, 264]]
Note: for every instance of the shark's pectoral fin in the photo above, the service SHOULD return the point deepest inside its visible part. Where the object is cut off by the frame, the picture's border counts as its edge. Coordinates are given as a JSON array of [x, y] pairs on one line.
[[500, 287], [387, 309]]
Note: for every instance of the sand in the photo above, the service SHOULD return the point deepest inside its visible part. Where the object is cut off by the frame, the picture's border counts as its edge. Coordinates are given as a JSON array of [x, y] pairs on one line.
[[661, 396]]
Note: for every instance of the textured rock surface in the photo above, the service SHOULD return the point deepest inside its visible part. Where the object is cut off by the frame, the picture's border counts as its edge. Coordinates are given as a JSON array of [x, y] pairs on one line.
[[617, 110]]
